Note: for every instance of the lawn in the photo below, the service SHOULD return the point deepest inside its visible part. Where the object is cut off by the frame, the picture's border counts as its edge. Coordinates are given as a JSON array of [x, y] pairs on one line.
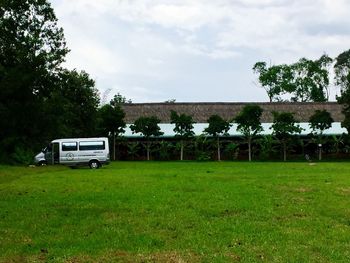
[[176, 212]]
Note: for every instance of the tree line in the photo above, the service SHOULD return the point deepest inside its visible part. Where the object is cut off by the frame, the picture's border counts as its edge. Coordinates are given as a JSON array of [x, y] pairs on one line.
[[41, 100], [284, 127]]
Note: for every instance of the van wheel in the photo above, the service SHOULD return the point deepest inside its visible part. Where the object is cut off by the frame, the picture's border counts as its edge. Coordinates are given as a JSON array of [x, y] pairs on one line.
[[42, 163], [94, 164]]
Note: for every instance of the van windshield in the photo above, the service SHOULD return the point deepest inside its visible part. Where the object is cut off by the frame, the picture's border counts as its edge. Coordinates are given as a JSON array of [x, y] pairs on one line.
[[48, 148]]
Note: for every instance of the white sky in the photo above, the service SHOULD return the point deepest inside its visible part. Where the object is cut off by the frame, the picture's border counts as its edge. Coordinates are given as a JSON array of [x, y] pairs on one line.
[[196, 50]]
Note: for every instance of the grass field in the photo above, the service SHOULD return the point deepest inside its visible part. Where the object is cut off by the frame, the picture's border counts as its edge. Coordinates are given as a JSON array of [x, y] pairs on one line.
[[176, 212]]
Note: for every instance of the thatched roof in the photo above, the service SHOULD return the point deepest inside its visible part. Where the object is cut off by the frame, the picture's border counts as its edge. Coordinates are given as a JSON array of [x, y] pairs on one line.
[[203, 110]]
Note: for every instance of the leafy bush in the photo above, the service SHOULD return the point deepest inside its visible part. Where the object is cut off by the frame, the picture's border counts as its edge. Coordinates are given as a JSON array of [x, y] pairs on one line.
[[232, 150], [203, 148], [22, 155]]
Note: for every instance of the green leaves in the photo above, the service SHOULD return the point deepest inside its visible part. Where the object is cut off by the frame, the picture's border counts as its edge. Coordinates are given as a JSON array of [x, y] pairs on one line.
[[39, 99], [342, 78], [284, 125], [147, 126], [321, 120], [305, 80], [342, 70], [217, 126], [183, 124], [112, 119], [248, 120]]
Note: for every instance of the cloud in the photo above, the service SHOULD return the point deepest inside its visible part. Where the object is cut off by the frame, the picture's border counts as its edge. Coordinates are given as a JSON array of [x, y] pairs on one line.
[[148, 43]]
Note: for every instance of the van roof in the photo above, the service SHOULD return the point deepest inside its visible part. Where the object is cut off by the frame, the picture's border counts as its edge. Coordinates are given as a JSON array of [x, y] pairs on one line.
[[80, 139]]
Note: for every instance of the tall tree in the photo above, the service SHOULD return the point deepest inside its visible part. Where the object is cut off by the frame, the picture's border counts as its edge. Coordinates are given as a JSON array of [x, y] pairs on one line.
[[320, 121], [217, 127], [148, 127], [79, 99], [311, 79], [284, 126], [183, 128], [119, 99], [112, 122], [248, 123], [342, 70], [32, 48], [276, 80], [342, 77], [305, 80]]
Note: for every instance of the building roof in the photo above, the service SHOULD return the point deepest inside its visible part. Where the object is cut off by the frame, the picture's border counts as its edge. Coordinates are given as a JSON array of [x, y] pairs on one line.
[[201, 111]]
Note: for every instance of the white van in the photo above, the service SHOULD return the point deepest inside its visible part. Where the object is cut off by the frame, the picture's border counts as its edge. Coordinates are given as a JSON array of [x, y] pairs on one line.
[[75, 152]]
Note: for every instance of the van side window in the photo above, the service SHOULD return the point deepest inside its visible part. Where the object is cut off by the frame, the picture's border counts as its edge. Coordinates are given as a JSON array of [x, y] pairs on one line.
[[69, 146], [91, 146]]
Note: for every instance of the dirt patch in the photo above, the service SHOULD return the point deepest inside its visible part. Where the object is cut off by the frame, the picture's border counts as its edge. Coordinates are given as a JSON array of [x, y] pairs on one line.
[[303, 190], [170, 257], [126, 257], [290, 188], [230, 213], [233, 257], [344, 191], [299, 215]]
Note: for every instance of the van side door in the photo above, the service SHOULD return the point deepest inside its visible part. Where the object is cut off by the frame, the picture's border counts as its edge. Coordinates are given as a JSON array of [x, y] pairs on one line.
[[69, 152], [52, 153]]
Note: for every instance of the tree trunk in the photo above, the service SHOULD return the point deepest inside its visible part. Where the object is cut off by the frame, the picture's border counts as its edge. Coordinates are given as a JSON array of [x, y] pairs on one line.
[[218, 144], [182, 151], [113, 146], [320, 147], [250, 149], [284, 151], [148, 145]]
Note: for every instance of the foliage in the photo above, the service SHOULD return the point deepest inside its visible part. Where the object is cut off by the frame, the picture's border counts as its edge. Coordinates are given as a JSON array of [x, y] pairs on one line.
[[164, 150], [320, 121], [284, 126], [183, 128], [203, 147], [248, 123], [32, 47], [111, 119], [337, 142], [216, 128], [22, 156], [248, 120], [119, 100], [342, 77], [148, 127], [311, 79], [133, 149], [344, 99], [77, 100], [267, 146], [342, 70], [39, 100], [232, 150], [276, 80], [306, 80], [111, 122], [183, 125]]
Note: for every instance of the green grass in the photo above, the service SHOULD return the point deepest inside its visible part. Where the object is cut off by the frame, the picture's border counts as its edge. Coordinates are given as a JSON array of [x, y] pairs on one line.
[[176, 212]]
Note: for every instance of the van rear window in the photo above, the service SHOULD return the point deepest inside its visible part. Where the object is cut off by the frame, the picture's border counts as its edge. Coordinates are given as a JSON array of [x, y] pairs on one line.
[[69, 146], [91, 146]]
